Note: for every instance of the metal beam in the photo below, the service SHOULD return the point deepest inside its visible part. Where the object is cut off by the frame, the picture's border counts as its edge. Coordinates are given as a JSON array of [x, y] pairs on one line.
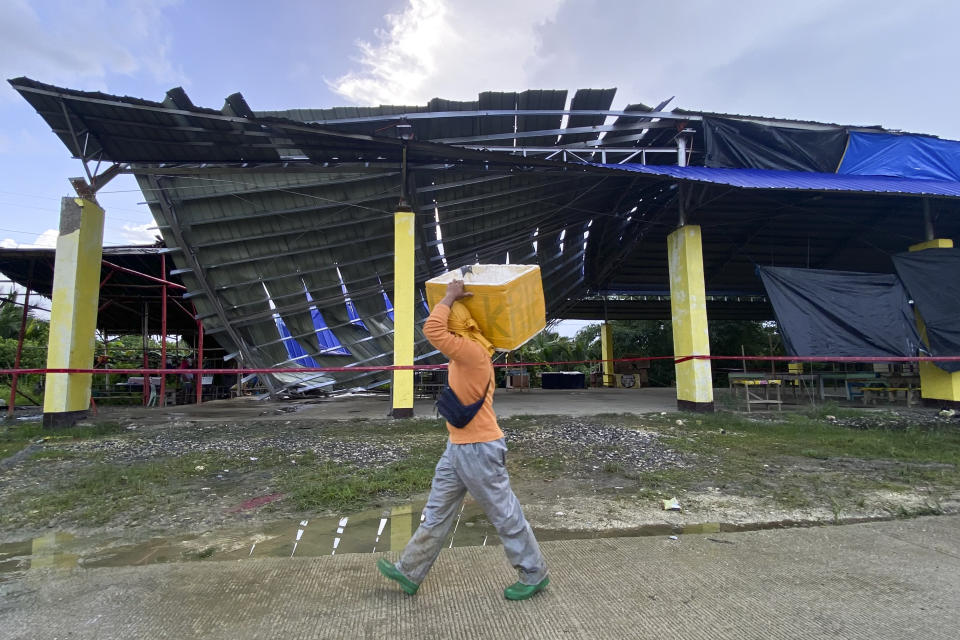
[[425, 115], [600, 128], [580, 147], [176, 229]]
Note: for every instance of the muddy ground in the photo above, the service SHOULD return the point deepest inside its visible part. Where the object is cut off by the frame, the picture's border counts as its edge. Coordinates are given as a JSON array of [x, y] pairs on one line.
[[605, 473]]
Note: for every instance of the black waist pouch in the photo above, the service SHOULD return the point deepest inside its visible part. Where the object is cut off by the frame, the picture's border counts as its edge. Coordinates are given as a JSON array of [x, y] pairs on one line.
[[454, 411]]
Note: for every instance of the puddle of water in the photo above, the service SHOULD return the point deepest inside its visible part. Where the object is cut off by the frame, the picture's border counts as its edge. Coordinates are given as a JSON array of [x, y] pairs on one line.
[[364, 532]]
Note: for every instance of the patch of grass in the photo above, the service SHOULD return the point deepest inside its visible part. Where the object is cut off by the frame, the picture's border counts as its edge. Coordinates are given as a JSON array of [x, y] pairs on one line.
[[8, 449], [798, 434], [55, 454], [928, 508], [763, 457], [519, 422], [820, 412], [666, 482], [612, 467], [95, 494], [547, 464], [329, 486], [17, 436], [31, 431]]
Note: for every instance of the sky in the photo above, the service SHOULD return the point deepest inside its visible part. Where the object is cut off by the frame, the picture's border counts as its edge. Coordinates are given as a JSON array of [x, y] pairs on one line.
[[846, 61]]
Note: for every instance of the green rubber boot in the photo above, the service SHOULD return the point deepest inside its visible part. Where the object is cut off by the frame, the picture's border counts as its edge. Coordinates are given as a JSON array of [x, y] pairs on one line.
[[520, 591], [391, 572]]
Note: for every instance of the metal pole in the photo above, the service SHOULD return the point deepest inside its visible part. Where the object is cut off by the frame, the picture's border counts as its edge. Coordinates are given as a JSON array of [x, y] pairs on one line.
[[681, 205], [163, 281], [199, 377], [106, 363], [23, 327], [403, 175], [163, 331], [928, 232], [146, 361]]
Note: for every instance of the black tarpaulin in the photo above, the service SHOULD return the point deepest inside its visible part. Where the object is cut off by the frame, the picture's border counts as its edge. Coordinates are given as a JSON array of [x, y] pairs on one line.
[[932, 277], [737, 144], [841, 313]]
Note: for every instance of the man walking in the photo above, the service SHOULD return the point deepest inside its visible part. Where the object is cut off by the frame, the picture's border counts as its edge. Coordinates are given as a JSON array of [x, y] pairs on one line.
[[474, 460]]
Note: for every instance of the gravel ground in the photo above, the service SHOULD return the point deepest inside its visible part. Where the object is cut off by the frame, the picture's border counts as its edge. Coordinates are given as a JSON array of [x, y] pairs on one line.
[[240, 442], [594, 444]]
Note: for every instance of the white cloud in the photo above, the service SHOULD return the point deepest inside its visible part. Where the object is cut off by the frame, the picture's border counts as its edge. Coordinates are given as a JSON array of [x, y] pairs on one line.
[[140, 233], [850, 61], [81, 43], [448, 48], [46, 240]]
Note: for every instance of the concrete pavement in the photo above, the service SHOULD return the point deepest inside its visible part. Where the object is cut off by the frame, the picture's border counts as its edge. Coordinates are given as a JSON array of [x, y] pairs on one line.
[[897, 579]]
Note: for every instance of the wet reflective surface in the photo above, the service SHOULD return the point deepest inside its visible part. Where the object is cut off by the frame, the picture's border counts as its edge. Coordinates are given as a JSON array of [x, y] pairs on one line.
[[363, 532]]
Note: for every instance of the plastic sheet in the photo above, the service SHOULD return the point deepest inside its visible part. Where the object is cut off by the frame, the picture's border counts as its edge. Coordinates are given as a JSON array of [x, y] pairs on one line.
[[841, 313], [932, 277], [907, 156], [737, 144]]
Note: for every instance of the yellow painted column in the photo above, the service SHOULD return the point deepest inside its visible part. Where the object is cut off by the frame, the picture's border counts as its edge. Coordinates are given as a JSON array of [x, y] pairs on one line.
[[73, 314], [403, 288], [937, 385], [606, 351], [688, 307]]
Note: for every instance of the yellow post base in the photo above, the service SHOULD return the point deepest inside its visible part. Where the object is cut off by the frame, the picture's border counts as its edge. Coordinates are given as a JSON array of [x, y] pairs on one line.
[[688, 307], [937, 387], [606, 351], [73, 314], [403, 291]]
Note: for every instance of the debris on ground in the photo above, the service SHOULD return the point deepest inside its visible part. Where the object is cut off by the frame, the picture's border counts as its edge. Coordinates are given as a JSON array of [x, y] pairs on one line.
[[671, 504]]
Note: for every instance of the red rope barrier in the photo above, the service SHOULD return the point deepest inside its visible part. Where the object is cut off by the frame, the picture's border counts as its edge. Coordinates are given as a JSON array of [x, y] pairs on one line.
[[429, 367]]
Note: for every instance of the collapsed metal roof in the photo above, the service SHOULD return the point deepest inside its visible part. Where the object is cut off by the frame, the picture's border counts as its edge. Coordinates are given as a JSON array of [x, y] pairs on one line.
[[285, 217]]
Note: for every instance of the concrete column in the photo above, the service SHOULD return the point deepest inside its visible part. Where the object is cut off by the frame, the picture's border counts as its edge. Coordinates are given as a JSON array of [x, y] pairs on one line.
[[403, 287], [73, 314], [606, 351], [937, 386], [688, 306]]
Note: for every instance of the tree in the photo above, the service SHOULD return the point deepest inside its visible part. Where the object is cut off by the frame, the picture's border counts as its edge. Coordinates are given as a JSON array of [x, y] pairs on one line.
[[10, 315]]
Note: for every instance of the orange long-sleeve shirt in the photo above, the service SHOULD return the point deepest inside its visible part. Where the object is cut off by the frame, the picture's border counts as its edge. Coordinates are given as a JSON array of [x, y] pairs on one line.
[[469, 372]]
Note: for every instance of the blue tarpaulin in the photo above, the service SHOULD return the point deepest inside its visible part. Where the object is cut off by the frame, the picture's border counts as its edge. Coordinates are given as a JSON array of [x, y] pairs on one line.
[[329, 345], [294, 350], [797, 180], [904, 156]]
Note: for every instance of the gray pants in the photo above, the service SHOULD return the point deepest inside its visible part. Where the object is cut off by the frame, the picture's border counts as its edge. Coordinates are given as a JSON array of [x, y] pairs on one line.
[[479, 468]]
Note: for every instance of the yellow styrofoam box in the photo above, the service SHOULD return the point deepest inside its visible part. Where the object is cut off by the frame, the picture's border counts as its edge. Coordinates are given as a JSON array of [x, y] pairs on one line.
[[507, 300]]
